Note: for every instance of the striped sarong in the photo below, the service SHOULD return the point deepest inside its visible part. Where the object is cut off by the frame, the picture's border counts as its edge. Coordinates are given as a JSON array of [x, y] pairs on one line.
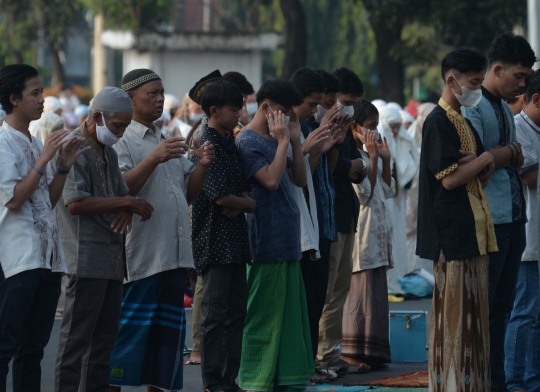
[[150, 343], [276, 349]]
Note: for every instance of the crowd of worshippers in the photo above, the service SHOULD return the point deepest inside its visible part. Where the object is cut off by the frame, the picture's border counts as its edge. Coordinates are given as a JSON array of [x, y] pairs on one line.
[[295, 206]]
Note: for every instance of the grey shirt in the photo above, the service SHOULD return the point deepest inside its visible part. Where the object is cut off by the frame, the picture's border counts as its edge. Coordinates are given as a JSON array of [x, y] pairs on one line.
[[91, 247], [164, 242]]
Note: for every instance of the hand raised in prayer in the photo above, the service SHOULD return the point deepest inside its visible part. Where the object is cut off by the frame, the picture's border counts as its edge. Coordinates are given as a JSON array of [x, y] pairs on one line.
[[330, 116], [316, 139], [294, 128], [172, 148], [335, 134], [140, 207], [122, 222], [69, 152], [384, 151], [278, 126], [52, 144], [205, 154], [370, 143], [344, 122]]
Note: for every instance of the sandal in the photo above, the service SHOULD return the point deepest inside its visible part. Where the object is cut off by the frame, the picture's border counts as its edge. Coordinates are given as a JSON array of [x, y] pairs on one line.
[[324, 372]]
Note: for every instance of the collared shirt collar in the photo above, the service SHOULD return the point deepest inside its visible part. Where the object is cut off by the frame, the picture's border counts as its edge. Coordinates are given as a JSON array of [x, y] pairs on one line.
[[19, 134], [528, 120], [490, 97], [227, 142], [448, 108], [95, 145], [141, 130]]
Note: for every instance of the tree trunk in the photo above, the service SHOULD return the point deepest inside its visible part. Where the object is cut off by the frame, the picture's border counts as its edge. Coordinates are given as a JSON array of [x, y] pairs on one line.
[[295, 36], [58, 76], [390, 69]]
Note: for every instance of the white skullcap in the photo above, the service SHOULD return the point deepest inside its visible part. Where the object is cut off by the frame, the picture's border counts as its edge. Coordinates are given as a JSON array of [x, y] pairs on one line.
[[379, 103], [394, 105], [170, 102], [51, 105], [389, 115], [406, 117]]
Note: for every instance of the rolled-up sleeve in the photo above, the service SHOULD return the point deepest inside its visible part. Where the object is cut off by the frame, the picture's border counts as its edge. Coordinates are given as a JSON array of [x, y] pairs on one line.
[[125, 161], [77, 185], [9, 173]]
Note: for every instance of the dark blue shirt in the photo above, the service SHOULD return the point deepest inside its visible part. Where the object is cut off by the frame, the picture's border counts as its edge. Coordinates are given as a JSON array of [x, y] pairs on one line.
[[325, 195], [274, 227]]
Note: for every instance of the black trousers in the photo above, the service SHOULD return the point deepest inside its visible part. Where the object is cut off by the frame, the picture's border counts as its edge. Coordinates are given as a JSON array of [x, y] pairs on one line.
[[315, 274], [88, 333], [27, 306], [223, 308]]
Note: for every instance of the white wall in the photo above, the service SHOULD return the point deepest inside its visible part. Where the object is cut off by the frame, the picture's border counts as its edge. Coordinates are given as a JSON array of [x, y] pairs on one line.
[[181, 70]]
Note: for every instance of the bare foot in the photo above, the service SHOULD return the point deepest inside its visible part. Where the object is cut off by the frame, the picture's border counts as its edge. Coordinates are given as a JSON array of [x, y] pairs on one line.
[[195, 357], [362, 366]]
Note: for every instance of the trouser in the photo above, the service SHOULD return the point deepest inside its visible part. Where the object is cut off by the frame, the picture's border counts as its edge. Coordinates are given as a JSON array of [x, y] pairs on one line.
[[223, 309], [88, 333], [503, 275], [339, 282], [196, 321], [315, 275], [522, 344], [27, 307]]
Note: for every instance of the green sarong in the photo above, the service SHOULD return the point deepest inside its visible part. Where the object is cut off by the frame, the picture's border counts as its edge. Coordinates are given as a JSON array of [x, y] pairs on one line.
[[276, 348]]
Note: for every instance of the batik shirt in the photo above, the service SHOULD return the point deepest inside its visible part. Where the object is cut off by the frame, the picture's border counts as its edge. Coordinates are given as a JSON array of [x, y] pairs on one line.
[[457, 222], [216, 238]]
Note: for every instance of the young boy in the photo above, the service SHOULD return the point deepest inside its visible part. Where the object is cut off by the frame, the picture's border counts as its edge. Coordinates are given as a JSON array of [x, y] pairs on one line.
[[455, 230], [220, 241], [522, 347], [31, 254], [314, 264], [365, 316], [349, 168], [510, 61], [276, 349]]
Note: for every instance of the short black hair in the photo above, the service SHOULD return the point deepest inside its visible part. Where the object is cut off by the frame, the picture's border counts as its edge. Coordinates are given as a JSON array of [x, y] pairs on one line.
[[463, 60], [533, 85], [280, 91], [13, 82], [363, 110], [511, 49], [307, 82], [240, 80], [349, 82], [331, 83], [219, 94]]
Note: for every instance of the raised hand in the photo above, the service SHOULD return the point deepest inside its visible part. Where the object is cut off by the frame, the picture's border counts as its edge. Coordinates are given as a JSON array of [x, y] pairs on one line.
[[52, 144], [330, 116], [140, 207], [172, 148], [384, 151], [369, 142], [69, 152], [278, 126], [205, 154], [294, 128], [316, 139], [122, 222]]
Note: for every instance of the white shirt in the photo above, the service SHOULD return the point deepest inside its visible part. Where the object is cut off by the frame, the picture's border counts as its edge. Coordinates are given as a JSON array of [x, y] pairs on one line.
[[163, 242], [29, 237], [528, 135], [373, 242], [309, 225]]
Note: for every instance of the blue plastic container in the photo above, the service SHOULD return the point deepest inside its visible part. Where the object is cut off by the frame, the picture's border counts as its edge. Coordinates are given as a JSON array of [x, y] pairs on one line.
[[408, 336]]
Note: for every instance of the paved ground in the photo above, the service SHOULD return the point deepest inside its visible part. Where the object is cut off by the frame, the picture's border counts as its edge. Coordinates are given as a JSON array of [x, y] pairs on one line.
[[192, 376]]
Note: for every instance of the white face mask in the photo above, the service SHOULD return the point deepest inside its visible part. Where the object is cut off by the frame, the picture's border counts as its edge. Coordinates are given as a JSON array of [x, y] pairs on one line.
[[251, 108], [104, 135], [365, 131], [195, 117], [468, 98], [349, 110], [321, 111]]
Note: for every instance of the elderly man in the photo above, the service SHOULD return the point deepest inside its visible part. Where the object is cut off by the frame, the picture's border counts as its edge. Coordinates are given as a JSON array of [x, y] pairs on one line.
[[149, 347], [94, 212]]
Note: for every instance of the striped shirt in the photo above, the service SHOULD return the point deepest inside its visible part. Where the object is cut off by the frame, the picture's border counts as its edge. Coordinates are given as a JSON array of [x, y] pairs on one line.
[[164, 242]]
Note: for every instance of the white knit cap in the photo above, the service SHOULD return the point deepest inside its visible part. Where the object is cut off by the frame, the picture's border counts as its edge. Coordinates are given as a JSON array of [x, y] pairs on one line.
[[51, 105], [112, 100]]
